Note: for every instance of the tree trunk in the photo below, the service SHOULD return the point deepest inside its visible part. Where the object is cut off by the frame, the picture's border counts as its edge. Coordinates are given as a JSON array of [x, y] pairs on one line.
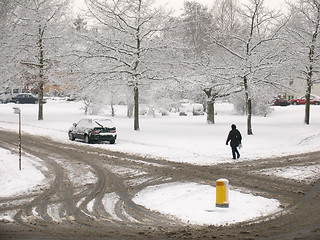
[[112, 106], [210, 105], [210, 112], [41, 75], [136, 108], [40, 101], [249, 116], [112, 110], [309, 86], [312, 57], [248, 106], [307, 106], [129, 110]]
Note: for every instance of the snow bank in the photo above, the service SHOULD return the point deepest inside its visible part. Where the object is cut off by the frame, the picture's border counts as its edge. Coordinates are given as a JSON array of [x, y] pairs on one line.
[[193, 203], [12, 180]]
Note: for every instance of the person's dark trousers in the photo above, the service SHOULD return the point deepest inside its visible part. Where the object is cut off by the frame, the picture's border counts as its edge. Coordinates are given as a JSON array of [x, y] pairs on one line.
[[234, 152]]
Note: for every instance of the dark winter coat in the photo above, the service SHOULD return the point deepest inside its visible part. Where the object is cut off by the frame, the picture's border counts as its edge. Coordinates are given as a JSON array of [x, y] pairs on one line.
[[234, 137]]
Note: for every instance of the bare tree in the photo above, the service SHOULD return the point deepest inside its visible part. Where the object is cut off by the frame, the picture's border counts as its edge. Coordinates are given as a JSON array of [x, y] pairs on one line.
[[131, 36], [37, 33], [200, 73], [252, 50], [303, 36], [196, 21], [225, 14]]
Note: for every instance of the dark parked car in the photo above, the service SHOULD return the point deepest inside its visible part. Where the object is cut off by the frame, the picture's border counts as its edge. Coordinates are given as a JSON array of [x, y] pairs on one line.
[[313, 100], [280, 102], [25, 98], [93, 129]]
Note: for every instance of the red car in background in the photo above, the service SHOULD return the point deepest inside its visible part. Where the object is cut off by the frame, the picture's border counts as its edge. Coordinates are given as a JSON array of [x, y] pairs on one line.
[[280, 102], [313, 100]]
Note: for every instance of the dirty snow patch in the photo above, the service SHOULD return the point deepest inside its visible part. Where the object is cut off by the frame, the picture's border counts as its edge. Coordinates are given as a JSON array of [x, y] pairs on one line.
[[299, 173]]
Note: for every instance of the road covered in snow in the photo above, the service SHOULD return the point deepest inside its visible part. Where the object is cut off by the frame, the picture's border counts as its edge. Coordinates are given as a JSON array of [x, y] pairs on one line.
[[72, 189]]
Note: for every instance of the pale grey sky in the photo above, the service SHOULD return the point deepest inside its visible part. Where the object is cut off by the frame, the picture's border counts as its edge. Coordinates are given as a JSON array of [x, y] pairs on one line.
[[178, 4]]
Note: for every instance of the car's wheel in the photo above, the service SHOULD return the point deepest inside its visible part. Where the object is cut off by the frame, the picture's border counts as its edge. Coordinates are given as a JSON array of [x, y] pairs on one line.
[[86, 139], [17, 102], [35, 102], [316, 103], [112, 141], [294, 103], [71, 137]]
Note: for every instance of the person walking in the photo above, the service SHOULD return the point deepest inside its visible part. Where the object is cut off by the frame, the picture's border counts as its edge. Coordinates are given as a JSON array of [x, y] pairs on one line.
[[235, 138]]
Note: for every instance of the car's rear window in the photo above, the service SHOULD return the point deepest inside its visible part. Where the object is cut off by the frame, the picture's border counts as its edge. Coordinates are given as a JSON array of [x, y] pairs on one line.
[[102, 123]]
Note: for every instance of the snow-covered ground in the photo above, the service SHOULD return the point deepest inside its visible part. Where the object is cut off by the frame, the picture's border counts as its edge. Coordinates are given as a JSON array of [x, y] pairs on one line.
[[183, 139], [13, 181], [193, 203]]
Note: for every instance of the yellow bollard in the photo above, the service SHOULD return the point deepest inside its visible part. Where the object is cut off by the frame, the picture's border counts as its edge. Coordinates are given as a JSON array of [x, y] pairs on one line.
[[222, 193]]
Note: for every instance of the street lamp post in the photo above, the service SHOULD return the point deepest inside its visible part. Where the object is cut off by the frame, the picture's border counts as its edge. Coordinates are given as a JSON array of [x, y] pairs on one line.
[[18, 111]]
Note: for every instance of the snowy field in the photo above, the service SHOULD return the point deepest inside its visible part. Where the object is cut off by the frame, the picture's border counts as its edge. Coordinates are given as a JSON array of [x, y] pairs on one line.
[[181, 139]]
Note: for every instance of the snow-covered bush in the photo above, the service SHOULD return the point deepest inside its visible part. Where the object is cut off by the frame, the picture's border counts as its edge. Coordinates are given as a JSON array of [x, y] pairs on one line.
[[197, 109], [260, 105]]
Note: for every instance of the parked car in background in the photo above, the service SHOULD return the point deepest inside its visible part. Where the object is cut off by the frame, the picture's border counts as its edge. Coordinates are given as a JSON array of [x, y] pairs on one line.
[[25, 98], [313, 100], [14, 90], [280, 102], [8, 92], [93, 129]]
